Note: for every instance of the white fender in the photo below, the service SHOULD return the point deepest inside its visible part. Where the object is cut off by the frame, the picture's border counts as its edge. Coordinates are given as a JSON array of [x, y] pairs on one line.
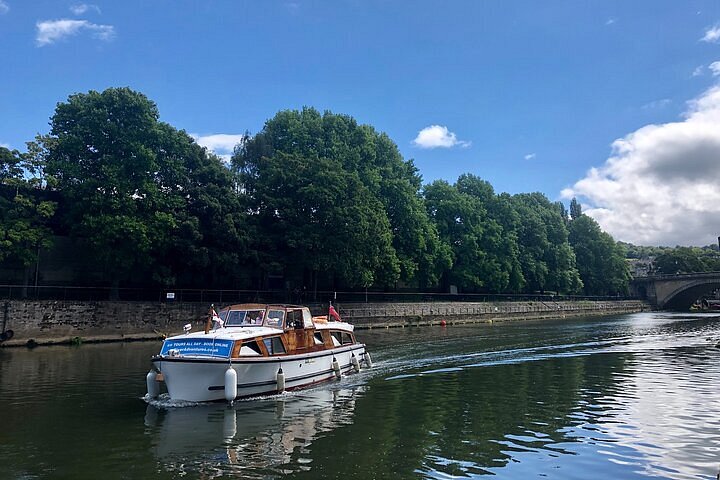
[[368, 360], [355, 362], [280, 378], [336, 367], [230, 384], [153, 386]]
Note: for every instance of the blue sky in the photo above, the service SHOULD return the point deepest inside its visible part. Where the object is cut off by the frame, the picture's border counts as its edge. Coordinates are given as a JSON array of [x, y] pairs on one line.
[[528, 95]]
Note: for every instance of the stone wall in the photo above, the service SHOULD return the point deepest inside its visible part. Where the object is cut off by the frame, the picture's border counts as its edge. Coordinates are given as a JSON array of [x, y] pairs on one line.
[[401, 314], [67, 321], [63, 321]]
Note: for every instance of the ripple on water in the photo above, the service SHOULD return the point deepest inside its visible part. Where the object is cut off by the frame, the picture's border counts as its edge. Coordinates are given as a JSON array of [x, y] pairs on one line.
[[631, 397], [657, 418]]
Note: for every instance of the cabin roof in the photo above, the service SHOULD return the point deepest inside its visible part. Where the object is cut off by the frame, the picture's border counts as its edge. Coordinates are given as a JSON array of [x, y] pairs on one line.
[[260, 306]]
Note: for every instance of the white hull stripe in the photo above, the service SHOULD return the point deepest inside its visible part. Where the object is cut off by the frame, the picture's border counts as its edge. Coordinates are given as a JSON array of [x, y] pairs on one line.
[[273, 382]]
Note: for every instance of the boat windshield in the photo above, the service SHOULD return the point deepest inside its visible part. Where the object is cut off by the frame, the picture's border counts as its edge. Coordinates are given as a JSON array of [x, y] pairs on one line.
[[241, 318], [275, 318]]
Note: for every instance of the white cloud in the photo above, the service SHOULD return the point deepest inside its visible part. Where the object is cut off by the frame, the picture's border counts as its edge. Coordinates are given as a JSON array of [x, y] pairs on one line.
[[438, 136], [610, 21], [655, 104], [5, 145], [222, 144], [714, 68], [660, 186], [50, 31], [4, 7], [530, 156], [712, 34], [79, 9], [698, 71]]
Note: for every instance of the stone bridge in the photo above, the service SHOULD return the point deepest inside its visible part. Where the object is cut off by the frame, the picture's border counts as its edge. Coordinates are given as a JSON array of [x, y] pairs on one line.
[[675, 292]]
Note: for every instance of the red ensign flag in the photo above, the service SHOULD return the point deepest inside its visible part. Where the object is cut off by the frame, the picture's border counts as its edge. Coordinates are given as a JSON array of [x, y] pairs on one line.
[[333, 313]]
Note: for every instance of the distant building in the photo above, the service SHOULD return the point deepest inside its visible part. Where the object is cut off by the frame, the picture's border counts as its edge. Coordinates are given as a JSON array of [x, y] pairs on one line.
[[641, 267]]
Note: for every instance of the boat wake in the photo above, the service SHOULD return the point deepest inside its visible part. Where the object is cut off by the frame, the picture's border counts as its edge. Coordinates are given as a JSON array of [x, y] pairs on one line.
[[638, 336], [163, 401], [440, 355]]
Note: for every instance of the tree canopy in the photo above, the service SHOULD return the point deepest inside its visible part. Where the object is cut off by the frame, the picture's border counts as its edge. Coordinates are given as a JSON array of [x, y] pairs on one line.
[[144, 194], [687, 260], [485, 254], [600, 260], [24, 212], [314, 199], [546, 258], [329, 195]]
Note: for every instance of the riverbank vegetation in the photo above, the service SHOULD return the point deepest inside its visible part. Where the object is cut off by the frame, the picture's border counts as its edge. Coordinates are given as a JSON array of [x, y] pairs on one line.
[[313, 200], [675, 260]]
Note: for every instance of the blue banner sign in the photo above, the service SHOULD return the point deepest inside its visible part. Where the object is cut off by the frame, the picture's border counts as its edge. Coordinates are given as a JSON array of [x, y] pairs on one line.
[[205, 347]]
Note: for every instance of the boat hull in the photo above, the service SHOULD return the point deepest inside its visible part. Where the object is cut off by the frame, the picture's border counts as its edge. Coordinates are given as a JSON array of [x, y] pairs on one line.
[[203, 379]]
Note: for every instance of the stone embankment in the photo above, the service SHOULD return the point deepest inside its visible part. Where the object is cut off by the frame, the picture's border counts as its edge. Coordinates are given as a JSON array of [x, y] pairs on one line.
[[51, 322], [417, 314]]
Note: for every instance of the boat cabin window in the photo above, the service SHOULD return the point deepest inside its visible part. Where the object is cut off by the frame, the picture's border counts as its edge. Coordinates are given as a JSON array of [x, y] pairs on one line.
[[275, 318], [250, 347], [318, 338], [274, 345], [256, 316], [307, 318], [235, 318], [294, 319], [342, 338]]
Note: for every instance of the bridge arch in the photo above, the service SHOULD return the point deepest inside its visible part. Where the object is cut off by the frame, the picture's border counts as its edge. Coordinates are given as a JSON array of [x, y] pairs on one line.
[[683, 296]]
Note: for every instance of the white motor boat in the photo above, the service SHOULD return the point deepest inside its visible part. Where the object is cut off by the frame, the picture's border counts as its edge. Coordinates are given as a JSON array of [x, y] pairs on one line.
[[255, 349]]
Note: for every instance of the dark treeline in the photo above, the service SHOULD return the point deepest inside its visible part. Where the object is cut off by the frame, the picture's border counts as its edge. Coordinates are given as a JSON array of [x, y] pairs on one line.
[[675, 260], [312, 201]]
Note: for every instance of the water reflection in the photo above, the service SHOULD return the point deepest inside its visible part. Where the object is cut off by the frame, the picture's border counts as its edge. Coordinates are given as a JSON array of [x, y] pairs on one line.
[[606, 396], [668, 412], [252, 439], [630, 397]]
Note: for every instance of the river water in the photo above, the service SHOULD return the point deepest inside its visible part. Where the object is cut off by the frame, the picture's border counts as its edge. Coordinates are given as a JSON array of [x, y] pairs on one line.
[[626, 397]]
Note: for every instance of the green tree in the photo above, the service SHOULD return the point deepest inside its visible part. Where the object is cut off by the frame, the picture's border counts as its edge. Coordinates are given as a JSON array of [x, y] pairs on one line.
[[421, 253], [482, 256], [329, 195], [711, 257], [103, 163], [132, 185], [504, 220], [600, 260], [10, 166], [575, 209], [641, 251], [209, 241], [25, 212], [680, 260], [547, 260]]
